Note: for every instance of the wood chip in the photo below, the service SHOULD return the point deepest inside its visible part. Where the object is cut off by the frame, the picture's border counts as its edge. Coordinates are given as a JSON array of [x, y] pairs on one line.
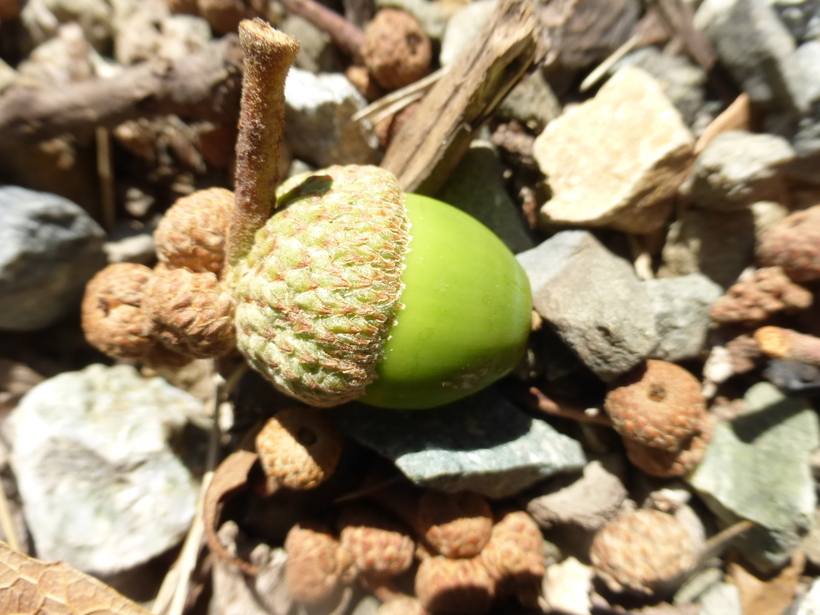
[[737, 116]]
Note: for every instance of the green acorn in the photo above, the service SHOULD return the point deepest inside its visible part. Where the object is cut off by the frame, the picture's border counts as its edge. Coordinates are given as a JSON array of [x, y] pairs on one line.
[[355, 290]]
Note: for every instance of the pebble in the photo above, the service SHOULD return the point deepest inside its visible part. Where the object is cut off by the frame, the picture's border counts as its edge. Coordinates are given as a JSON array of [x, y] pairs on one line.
[[477, 187], [593, 300], [463, 28], [567, 587], [616, 160], [102, 488], [682, 81], [752, 43], [736, 169], [681, 306], [588, 501], [803, 77], [809, 603], [531, 102], [765, 450], [318, 109], [42, 19], [801, 17], [721, 599], [317, 53], [793, 377], [49, 249], [718, 244], [183, 35], [483, 443]]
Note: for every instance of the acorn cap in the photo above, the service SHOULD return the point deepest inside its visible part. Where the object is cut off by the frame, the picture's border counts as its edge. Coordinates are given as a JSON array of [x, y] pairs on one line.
[[377, 543], [316, 565], [445, 585], [354, 290], [454, 524]]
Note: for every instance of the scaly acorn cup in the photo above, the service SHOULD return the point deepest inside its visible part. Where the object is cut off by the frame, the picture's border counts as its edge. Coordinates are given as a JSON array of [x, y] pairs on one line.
[[354, 290]]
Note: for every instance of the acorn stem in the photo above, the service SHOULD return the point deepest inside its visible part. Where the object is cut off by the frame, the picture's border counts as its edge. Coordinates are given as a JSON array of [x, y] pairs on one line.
[[268, 54]]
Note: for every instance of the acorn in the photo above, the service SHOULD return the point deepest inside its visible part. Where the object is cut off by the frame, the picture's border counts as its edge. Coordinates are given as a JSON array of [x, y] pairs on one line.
[[355, 290]]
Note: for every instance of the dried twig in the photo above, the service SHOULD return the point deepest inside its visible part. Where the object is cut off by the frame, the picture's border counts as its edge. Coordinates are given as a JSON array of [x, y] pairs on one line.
[[591, 415], [399, 99], [348, 37]]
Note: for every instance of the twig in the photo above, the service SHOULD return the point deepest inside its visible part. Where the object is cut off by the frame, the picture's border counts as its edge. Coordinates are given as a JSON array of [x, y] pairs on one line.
[[399, 99], [591, 415], [348, 37], [6, 522], [603, 68], [719, 541], [269, 55], [105, 173]]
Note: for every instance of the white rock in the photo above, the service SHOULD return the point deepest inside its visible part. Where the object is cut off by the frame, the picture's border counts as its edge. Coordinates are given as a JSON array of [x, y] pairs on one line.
[[616, 160], [101, 487], [463, 27], [567, 587]]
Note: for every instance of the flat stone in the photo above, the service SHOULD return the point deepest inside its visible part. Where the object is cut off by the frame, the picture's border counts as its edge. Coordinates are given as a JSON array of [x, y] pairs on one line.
[[752, 43], [588, 501], [681, 306], [616, 160], [482, 443], [101, 487], [593, 300], [318, 109], [718, 244], [766, 450], [736, 169], [49, 249], [476, 186]]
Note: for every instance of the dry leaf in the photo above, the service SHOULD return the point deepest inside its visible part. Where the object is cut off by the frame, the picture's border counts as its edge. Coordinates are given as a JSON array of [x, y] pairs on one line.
[[770, 597], [231, 476], [31, 587]]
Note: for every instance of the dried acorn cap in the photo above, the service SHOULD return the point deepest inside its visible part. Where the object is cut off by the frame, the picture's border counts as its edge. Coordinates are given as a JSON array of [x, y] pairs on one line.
[[794, 244], [454, 524], [377, 543], [666, 464], [355, 290], [316, 565], [192, 312], [299, 448], [645, 551], [113, 318], [658, 404], [445, 585], [191, 234], [397, 50]]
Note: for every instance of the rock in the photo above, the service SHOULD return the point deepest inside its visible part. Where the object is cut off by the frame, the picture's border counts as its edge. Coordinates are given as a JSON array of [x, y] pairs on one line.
[[811, 543], [8, 76], [765, 450], [101, 486], [616, 160], [318, 109], [42, 19], [136, 26], [66, 58], [809, 603], [807, 145], [317, 53], [718, 244], [482, 443], [593, 300], [682, 81], [128, 245], [588, 501], [49, 249], [736, 169], [476, 186], [801, 17], [567, 587], [463, 28], [752, 43], [532, 102], [803, 78], [793, 377], [183, 35], [681, 306], [694, 586], [766, 215], [721, 599]]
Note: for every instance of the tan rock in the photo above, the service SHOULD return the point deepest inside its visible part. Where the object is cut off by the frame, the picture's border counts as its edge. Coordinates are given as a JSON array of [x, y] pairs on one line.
[[616, 160]]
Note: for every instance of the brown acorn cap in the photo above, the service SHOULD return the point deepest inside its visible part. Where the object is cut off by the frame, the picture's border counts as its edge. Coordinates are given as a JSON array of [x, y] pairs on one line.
[[316, 565], [454, 524], [666, 464], [298, 448], [445, 585], [794, 244], [378, 543], [658, 404], [320, 288], [643, 550]]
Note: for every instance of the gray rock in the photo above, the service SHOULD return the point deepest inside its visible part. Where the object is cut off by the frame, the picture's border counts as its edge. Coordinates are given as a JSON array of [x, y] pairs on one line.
[[318, 109], [476, 186], [801, 17], [482, 443], [681, 307], [617, 173], [463, 28], [682, 81], [317, 53], [765, 450], [49, 249], [532, 102], [736, 169], [42, 19], [593, 300], [802, 75], [721, 599], [807, 145], [752, 43], [718, 244], [101, 486], [588, 501]]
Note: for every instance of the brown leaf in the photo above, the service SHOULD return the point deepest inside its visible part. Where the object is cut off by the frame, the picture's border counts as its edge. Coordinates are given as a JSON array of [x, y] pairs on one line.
[[31, 587], [231, 476], [767, 597]]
